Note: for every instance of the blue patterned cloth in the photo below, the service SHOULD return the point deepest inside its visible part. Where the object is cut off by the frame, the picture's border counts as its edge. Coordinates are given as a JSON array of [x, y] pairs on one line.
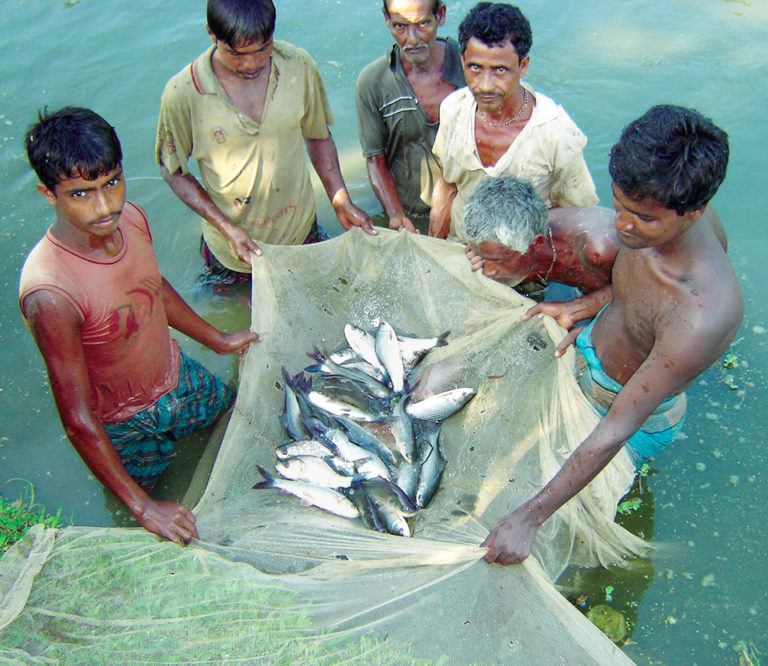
[[660, 429], [144, 441]]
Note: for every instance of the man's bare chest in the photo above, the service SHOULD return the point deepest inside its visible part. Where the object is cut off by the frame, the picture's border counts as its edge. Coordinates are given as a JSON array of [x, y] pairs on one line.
[[430, 90], [249, 99]]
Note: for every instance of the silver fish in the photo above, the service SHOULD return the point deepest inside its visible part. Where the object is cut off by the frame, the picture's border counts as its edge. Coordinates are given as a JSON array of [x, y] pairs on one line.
[[440, 406], [402, 431], [310, 469], [432, 468], [323, 498], [371, 468], [413, 349], [364, 345], [371, 386], [388, 352], [303, 447], [340, 407], [291, 417], [386, 501], [363, 437]]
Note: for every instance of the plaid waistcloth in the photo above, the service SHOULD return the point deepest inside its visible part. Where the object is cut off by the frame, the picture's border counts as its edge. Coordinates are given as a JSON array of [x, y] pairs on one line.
[[144, 441], [660, 429]]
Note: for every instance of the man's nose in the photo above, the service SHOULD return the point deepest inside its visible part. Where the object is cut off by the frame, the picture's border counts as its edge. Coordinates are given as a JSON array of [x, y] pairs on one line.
[[623, 221], [486, 81], [413, 34], [102, 204]]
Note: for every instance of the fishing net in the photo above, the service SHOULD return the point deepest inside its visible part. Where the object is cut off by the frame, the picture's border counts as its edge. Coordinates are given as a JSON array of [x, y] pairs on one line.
[[273, 581]]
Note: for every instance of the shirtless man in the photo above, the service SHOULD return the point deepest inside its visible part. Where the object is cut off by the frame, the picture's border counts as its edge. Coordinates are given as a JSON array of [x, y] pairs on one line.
[[398, 109], [499, 125], [245, 109], [516, 240], [92, 296], [676, 306]]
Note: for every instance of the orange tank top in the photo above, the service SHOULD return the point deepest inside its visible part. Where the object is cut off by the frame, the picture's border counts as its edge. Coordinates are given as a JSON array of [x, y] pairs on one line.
[[131, 358]]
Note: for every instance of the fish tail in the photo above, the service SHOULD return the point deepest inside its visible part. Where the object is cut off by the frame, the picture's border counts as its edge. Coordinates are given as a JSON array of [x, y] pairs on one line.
[[441, 339], [269, 480]]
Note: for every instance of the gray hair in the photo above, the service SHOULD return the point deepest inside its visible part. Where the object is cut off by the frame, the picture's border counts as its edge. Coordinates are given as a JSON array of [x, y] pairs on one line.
[[505, 210]]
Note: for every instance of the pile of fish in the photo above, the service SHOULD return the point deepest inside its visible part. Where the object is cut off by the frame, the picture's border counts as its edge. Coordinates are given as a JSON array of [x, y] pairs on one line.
[[361, 447]]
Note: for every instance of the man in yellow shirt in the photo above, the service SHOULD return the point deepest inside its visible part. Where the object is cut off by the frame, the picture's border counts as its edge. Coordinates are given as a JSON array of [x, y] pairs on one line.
[[243, 109]]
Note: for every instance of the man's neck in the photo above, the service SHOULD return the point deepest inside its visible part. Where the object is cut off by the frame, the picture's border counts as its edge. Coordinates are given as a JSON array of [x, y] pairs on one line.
[[89, 245]]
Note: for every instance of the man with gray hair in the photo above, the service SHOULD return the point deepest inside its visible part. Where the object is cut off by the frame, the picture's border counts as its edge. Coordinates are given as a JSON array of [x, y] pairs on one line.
[[516, 240]]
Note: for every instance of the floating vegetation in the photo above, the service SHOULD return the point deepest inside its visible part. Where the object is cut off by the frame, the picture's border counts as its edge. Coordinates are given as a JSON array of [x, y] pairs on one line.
[[18, 516]]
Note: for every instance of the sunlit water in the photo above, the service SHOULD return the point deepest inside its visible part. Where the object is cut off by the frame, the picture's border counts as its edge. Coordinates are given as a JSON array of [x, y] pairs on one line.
[[606, 62]]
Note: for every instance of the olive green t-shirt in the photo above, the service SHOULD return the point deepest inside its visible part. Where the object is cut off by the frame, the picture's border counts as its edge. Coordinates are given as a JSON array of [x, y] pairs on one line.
[[255, 173]]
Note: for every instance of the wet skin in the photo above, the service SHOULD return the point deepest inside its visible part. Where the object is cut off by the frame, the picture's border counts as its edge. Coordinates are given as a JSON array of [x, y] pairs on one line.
[[87, 220], [676, 307], [585, 246]]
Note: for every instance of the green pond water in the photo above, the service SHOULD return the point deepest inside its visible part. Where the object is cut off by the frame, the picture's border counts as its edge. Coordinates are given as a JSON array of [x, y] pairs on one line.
[[702, 597]]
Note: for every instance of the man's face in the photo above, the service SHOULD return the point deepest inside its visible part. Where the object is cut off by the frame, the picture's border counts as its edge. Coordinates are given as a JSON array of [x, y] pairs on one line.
[[246, 61], [492, 73], [91, 207], [647, 223], [414, 27], [501, 263]]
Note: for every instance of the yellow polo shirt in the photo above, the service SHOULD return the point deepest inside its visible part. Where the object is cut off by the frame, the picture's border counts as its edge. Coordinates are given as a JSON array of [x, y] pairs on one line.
[[255, 173]]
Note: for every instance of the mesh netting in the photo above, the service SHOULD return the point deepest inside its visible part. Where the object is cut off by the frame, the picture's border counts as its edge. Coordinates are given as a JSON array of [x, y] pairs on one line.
[[274, 581]]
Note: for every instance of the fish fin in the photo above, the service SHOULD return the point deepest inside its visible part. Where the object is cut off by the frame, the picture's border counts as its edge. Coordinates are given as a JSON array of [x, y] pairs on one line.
[[314, 368], [268, 479], [441, 339]]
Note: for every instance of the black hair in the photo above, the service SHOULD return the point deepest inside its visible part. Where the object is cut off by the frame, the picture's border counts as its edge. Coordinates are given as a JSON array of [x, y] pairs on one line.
[[71, 142], [673, 155], [436, 4], [495, 23], [241, 22]]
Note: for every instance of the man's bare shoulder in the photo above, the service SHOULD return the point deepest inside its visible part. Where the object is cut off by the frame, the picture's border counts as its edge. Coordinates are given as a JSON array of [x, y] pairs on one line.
[[591, 228]]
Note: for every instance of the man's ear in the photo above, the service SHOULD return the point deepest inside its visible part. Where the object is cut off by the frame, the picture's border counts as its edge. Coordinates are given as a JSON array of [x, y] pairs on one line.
[[49, 196], [538, 242], [524, 65], [210, 34], [440, 16], [695, 215]]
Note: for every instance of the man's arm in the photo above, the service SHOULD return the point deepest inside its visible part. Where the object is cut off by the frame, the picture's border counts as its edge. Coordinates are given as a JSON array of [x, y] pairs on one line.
[[325, 160], [567, 313], [669, 368], [55, 326], [440, 212], [384, 188], [192, 193], [185, 320]]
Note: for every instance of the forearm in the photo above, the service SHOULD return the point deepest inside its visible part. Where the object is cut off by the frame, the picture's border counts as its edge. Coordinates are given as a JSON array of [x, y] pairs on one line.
[[440, 212], [90, 440], [325, 160], [587, 306], [586, 462], [383, 185], [185, 320]]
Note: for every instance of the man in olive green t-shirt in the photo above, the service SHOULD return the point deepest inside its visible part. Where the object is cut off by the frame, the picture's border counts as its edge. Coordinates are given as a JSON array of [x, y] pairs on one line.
[[243, 109]]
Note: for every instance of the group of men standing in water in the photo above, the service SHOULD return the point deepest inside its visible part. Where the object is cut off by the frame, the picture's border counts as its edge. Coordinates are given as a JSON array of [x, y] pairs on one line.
[[456, 145]]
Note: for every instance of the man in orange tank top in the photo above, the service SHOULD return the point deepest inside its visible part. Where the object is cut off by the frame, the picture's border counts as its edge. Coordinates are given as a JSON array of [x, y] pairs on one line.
[[92, 296]]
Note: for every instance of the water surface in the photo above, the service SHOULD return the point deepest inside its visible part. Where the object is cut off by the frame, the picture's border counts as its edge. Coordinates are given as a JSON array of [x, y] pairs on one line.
[[606, 62]]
